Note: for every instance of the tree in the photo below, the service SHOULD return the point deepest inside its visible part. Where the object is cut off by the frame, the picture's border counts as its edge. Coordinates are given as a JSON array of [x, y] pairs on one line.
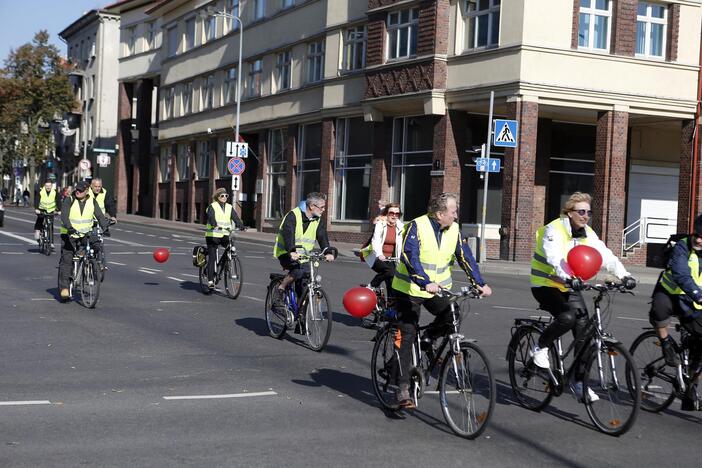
[[34, 90]]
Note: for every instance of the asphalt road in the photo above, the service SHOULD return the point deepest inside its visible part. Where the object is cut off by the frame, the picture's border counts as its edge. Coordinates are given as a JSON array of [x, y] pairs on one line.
[[84, 387]]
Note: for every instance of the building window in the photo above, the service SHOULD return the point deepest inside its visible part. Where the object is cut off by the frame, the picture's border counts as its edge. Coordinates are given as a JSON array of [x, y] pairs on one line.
[[594, 24], [189, 34], [164, 164], [209, 29], [413, 139], [282, 70], [187, 98], [287, 3], [309, 159], [253, 85], [169, 104], [231, 7], [277, 166], [354, 48], [183, 161], [651, 21], [402, 33], [131, 41], [202, 160], [230, 81], [352, 168], [259, 9], [173, 41], [482, 23], [208, 93], [150, 35], [315, 61]]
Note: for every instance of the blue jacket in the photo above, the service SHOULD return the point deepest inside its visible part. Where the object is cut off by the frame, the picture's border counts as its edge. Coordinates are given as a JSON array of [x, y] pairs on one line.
[[410, 256], [682, 275]]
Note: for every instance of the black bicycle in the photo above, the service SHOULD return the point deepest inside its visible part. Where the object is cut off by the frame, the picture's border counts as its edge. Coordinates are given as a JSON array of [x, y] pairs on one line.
[[605, 364], [97, 238], [466, 385], [661, 383], [46, 234], [85, 274], [384, 304], [227, 268]]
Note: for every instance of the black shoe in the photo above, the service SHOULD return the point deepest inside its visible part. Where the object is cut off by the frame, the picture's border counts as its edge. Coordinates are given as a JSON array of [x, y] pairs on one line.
[[669, 354], [689, 404]]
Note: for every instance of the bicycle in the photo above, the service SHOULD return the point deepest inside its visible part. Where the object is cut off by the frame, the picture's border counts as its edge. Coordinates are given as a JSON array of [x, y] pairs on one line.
[[97, 235], [466, 384], [316, 321], [661, 383], [383, 304], [605, 362], [85, 275], [46, 234], [227, 267]]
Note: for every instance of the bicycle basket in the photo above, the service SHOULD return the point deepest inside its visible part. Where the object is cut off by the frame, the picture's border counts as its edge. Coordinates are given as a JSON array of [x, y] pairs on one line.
[[199, 256]]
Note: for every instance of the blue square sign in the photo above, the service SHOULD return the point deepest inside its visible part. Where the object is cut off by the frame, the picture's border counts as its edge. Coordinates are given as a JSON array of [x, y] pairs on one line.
[[505, 134], [488, 165]]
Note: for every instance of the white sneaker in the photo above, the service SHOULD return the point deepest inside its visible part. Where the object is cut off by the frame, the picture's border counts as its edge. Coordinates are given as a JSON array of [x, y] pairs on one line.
[[540, 357], [577, 389]]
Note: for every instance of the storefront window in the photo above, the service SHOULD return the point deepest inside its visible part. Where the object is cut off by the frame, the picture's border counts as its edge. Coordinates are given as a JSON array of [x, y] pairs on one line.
[[352, 168], [308, 163], [183, 161], [164, 164], [277, 165], [411, 163], [202, 158]]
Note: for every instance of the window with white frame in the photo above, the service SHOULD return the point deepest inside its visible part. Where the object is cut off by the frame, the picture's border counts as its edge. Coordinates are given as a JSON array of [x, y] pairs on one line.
[[352, 168], [481, 19], [413, 139], [131, 41], [173, 41], [309, 159], [402, 29], [594, 24], [188, 98], [183, 161], [208, 92], [189, 34], [315, 61], [651, 22], [354, 48], [169, 102], [231, 7], [276, 172], [149, 35], [259, 9], [282, 70], [202, 160], [164, 164], [253, 84], [209, 28], [287, 3], [230, 80]]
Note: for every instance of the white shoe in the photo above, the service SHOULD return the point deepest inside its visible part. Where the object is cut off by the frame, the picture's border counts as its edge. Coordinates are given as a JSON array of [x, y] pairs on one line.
[[210, 284], [540, 357], [577, 388]]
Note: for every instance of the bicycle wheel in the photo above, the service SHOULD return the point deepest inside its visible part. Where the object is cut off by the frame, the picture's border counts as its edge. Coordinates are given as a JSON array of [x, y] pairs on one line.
[[233, 277], [385, 368], [318, 319], [202, 277], [531, 384], [467, 391], [101, 263], [90, 283], [658, 380], [610, 372], [275, 319]]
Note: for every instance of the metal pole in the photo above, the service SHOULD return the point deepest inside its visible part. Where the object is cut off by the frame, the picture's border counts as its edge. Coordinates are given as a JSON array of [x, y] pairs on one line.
[[238, 86], [486, 154]]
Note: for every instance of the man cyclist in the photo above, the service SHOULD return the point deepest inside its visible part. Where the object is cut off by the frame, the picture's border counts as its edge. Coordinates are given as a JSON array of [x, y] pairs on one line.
[[431, 243], [99, 193], [46, 203], [552, 278], [299, 229], [220, 218], [77, 214]]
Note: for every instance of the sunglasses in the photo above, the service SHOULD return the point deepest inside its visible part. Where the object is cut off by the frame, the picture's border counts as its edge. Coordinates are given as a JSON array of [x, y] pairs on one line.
[[583, 212], [319, 207], [394, 213], [224, 195]]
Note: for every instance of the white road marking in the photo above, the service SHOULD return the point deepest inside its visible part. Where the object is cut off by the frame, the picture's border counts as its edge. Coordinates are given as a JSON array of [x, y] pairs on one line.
[[117, 263], [194, 243], [252, 256], [42, 299], [191, 276], [122, 253], [15, 236], [140, 233], [212, 397], [176, 279], [633, 318], [161, 237], [176, 302], [149, 268], [131, 244], [512, 308], [26, 402], [147, 271], [11, 253], [254, 298], [9, 243], [19, 219]]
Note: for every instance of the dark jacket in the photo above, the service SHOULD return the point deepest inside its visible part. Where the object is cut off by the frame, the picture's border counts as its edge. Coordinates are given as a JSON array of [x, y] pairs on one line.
[[287, 230], [682, 275]]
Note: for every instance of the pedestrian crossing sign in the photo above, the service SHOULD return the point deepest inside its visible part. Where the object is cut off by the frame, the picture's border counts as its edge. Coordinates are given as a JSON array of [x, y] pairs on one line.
[[505, 134]]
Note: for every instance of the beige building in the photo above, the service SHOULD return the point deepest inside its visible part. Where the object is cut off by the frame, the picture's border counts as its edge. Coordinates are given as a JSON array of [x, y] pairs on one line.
[[373, 100]]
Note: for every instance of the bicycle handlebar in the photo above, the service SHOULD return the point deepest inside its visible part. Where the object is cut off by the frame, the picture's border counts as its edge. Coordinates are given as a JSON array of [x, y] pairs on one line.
[[466, 291]]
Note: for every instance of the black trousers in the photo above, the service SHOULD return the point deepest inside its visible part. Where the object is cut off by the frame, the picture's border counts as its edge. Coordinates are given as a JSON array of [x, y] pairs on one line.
[[568, 310], [299, 271], [212, 244], [408, 308], [664, 305], [69, 246], [385, 272]]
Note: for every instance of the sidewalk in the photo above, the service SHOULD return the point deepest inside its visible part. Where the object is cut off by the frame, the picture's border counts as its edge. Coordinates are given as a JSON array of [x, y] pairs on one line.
[[643, 275]]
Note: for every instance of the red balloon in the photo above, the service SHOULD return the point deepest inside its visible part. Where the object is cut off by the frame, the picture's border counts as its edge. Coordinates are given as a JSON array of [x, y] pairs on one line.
[[161, 255], [584, 261], [359, 301]]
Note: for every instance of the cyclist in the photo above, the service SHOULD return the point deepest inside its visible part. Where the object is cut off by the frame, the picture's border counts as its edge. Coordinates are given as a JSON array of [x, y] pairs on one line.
[[679, 292], [99, 193], [48, 202], [551, 276], [77, 214], [300, 229], [383, 245], [220, 218], [431, 243]]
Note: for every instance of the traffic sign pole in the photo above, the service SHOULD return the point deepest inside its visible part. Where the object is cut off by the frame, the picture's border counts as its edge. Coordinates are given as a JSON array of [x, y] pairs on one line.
[[486, 154]]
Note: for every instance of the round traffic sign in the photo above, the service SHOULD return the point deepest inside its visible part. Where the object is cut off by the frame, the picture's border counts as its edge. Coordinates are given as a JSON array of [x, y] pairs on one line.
[[84, 164], [236, 166]]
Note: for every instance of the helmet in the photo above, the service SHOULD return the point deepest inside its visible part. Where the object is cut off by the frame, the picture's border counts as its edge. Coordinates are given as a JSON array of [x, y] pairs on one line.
[[697, 228]]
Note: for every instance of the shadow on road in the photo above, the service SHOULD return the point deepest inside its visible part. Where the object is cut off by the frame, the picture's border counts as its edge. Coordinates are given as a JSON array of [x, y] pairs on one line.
[[190, 286], [346, 319], [151, 283], [55, 293], [256, 325], [355, 386]]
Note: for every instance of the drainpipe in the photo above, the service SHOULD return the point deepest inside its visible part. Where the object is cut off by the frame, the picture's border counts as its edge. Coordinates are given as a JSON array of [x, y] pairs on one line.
[[696, 147]]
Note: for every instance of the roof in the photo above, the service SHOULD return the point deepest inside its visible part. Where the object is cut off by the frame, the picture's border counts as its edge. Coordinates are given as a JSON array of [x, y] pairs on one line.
[[87, 18], [123, 6]]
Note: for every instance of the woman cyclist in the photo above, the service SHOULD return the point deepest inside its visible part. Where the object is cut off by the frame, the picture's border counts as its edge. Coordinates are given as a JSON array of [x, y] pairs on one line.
[[387, 237]]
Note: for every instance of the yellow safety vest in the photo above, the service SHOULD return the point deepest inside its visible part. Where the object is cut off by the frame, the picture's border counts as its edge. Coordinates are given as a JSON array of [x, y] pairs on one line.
[[305, 239], [223, 218], [82, 222], [544, 274], [47, 202], [435, 259], [672, 287], [100, 197]]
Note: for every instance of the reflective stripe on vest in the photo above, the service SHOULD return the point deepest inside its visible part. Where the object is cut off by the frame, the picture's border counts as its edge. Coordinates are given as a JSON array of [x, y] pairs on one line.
[[82, 222], [47, 202], [306, 239], [672, 287], [544, 274], [436, 260], [223, 218]]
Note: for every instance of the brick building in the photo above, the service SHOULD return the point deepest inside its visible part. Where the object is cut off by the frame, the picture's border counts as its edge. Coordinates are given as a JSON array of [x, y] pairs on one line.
[[370, 100]]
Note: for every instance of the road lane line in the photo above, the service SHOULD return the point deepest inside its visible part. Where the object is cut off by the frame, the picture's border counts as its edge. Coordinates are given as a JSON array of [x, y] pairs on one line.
[[176, 279], [15, 236], [149, 268], [19, 219], [188, 274], [633, 318], [42, 299], [512, 308], [117, 263], [146, 271], [11, 253], [120, 241], [26, 402], [254, 298], [176, 302], [212, 397], [122, 253], [252, 256]]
